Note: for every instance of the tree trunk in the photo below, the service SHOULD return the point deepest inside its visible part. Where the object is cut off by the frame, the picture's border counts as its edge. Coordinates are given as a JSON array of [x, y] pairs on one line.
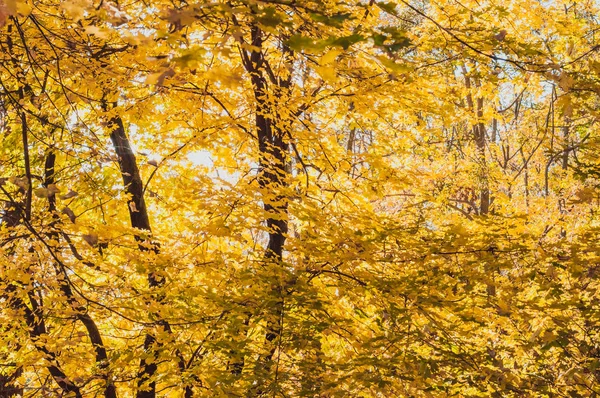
[[272, 175], [138, 215]]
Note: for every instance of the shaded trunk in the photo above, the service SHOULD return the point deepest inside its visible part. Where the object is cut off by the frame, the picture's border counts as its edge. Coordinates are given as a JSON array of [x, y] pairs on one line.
[[11, 217], [480, 141], [138, 215], [272, 175], [272, 178], [565, 154], [139, 219], [479, 136], [34, 319], [19, 213], [81, 312]]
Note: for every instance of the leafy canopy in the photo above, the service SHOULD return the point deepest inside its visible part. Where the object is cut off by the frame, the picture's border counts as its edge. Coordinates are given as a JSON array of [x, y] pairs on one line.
[[299, 198]]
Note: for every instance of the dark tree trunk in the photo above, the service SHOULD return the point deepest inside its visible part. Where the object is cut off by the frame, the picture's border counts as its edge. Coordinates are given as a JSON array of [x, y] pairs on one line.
[[82, 313], [138, 215], [272, 146]]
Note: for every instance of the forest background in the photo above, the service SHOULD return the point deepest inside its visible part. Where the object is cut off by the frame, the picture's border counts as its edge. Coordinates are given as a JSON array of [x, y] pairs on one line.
[[297, 198]]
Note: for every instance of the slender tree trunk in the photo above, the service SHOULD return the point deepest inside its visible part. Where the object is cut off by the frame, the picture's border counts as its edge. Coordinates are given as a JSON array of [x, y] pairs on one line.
[[139, 219], [272, 148], [11, 218], [480, 141], [32, 313], [272, 178], [138, 215], [82, 313], [20, 213], [479, 136], [566, 133]]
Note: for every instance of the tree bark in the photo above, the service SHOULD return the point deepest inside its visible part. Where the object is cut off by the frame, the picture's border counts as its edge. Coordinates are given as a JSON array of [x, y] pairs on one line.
[[138, 215], [479, 136], [272, 147], [272, 175], [81, 312]]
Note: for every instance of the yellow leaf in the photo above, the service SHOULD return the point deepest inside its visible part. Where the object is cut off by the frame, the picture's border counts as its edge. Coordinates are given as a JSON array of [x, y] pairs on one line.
[[327, 73], [548, 337], [23, 8], [329, 57], [503, 307]]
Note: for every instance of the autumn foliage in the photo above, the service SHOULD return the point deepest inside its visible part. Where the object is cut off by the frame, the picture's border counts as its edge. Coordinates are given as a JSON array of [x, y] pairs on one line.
[[299, 198]]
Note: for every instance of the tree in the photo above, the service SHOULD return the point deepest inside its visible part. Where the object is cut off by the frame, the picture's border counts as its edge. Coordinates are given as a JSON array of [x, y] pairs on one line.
[[298, 198]]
